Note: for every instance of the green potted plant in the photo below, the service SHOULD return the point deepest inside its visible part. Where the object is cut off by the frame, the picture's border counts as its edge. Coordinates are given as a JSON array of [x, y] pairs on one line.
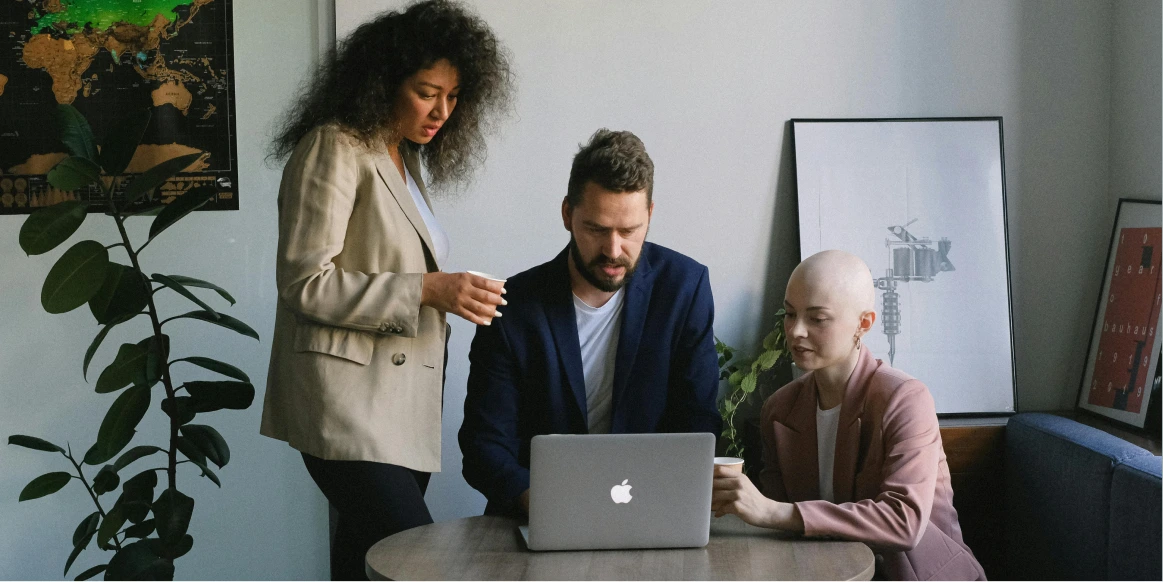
[[742, 380], [144, 527]]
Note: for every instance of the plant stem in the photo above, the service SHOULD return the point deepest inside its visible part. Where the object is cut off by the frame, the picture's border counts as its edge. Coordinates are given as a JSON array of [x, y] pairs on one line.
[[81, 476], [167, 382]]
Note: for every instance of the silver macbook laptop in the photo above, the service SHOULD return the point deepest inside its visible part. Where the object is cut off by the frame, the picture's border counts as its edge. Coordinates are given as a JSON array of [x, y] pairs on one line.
[[620, 491]]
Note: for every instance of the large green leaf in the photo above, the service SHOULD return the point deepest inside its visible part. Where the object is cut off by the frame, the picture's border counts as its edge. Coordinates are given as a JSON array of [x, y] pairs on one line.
[[50, 226], [192, 282], [77, 549], [89, 353], [86, 527], [73, 173], [75, 132], [106, 480], [173, 549], [110, 525], [172, 511], [75, 278], [127, 368], [748, 383], [181, 290], [156, 176], [81, 537], [87, 574], [190, 450], [179, 408], [137, 495], [121, 141], [206, 472], [134, 454], [767, 359], [157, 350], [140, 530], [188, 202], [209, 441], [124, 292], [119, 425], [224, 320], [215, 366], [34, 443], [211, 396], [46, 484]]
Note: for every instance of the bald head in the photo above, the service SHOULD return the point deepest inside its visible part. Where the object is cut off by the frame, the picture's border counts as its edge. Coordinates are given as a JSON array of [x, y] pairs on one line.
[[841, 277]]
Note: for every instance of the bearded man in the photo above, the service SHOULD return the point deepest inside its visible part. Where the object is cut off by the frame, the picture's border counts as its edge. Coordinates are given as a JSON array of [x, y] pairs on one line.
[[611, 336]]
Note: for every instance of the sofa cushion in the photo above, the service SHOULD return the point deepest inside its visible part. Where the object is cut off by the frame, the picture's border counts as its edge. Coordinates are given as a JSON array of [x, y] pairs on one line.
[[1058, 491], [1136, 520]]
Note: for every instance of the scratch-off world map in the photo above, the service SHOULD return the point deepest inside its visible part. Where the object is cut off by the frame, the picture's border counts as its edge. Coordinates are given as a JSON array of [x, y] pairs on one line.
[[111, 59]]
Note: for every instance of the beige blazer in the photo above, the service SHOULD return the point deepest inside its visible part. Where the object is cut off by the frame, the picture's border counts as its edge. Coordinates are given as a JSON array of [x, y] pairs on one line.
[[356, 363]]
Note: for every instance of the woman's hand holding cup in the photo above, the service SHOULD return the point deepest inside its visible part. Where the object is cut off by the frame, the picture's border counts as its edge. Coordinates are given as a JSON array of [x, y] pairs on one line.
[[472, 296]]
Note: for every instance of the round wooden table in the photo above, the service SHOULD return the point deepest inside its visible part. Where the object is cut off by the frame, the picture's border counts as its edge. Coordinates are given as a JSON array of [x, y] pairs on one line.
[[491, 548]]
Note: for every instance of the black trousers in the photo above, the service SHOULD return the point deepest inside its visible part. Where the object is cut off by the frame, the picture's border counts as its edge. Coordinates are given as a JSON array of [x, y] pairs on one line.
[[374, 501]]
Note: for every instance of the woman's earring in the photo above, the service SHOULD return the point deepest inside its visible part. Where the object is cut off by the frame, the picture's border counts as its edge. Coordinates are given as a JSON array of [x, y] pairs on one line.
[[856, 341]]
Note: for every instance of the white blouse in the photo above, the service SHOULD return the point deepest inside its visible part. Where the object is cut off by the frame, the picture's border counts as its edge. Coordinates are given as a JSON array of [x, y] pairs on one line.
[[439, 237]]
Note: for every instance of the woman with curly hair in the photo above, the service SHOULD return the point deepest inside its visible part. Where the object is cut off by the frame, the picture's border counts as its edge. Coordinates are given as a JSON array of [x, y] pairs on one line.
[[357, 363]]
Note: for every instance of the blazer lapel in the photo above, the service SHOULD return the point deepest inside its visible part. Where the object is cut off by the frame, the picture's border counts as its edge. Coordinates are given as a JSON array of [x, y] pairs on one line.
[[848, 442], [563, 325], [795, 440], [637, 304], [399, 190]]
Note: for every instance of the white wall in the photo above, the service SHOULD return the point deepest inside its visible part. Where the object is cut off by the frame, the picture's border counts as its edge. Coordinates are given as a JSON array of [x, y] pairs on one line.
[[268, 520], [709, 86]]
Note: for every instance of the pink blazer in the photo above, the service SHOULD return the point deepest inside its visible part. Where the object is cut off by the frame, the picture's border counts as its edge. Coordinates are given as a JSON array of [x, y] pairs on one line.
[[891, 481]]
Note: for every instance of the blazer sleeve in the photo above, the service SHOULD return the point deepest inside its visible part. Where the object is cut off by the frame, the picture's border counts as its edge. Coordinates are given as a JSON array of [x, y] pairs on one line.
[[695, 371], [318, 194], [489, 436], [895, 520], [771, 476]]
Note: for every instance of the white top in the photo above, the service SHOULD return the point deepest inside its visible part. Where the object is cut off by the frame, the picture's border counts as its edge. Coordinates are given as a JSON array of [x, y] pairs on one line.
[[597, 333], [827, 424], [439, 237]]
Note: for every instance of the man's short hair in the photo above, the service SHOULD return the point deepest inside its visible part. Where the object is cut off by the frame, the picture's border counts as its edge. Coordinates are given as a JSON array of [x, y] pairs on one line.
[[614, 160]]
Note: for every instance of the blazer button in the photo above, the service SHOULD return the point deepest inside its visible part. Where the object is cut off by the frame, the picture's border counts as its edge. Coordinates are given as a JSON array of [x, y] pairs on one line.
[[384, 328], [398, 359]]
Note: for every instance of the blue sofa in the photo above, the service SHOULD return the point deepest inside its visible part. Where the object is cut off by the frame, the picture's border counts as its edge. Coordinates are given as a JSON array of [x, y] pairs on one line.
[[1081, 504]]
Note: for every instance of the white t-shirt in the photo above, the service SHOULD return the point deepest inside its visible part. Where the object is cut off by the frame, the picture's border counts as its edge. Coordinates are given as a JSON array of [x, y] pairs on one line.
[[597, 333], [827, 424], [439, 237]]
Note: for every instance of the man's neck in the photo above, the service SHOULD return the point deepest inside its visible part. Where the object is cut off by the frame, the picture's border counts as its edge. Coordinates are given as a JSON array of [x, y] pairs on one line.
[[584, 290]]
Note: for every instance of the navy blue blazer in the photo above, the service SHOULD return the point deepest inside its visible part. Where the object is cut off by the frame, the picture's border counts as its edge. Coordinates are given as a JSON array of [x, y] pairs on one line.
[[526, 371]]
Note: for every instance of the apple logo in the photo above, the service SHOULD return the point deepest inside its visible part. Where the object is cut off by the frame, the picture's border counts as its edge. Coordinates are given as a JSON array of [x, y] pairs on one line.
[[621, 493]]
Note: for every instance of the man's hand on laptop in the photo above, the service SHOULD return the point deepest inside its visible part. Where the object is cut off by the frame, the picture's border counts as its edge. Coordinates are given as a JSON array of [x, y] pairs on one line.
[[523, 500], [734, 493]]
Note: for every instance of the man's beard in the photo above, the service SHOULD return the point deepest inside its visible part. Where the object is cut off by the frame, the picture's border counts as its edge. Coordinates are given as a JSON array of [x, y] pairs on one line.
[[591, 271]]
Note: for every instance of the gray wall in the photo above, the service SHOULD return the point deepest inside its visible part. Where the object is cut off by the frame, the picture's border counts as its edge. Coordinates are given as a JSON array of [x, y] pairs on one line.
[[1136, 94], [709, 86]]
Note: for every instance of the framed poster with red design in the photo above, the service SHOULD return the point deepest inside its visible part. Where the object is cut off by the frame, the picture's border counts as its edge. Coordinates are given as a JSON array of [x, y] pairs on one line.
[[1124, 343]]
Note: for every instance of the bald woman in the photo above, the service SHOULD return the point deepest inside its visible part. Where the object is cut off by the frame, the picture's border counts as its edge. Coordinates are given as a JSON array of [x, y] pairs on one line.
[[851, 449]]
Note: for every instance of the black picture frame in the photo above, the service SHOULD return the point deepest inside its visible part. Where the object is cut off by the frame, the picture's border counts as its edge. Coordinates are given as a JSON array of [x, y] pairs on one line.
[[951, 401], [1130, 405]]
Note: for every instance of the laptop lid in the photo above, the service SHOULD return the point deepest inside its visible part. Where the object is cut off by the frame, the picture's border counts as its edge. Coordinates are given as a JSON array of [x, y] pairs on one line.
[[620, 491]]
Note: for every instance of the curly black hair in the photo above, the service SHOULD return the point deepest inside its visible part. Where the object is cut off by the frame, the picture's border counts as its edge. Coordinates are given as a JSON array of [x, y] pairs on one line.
[[356, 85]]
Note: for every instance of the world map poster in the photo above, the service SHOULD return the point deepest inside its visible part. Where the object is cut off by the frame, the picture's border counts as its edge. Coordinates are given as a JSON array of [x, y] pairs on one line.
[[112, 59]]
